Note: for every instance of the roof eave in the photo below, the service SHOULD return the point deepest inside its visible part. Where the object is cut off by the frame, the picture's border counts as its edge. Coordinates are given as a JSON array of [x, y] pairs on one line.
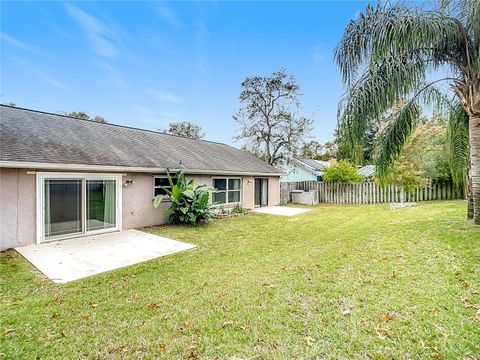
[[110, 168]]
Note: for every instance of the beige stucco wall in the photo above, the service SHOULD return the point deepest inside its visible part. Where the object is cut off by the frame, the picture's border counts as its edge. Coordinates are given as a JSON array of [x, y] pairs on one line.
[[18, 202], [273, 191], [17, 208], [248, 192]]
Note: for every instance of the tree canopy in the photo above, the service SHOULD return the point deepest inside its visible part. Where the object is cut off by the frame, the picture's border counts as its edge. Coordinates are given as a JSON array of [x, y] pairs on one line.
[[392, 52], [185, 129], [83, 116], [269, 120]]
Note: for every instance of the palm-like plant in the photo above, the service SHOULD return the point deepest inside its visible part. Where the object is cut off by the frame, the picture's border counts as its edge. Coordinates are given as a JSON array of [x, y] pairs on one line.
[[392, 53], [188, 204]]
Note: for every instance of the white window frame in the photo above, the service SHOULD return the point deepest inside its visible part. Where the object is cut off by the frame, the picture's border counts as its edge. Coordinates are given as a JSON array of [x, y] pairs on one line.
[[227, 190], [161, 177], [40, 190]]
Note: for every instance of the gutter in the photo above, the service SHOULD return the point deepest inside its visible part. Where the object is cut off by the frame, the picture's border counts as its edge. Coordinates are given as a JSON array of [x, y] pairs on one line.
[[108, 168]]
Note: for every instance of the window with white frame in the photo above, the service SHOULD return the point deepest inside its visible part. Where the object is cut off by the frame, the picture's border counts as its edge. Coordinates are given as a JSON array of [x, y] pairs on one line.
[[227, 190], [160, 183]]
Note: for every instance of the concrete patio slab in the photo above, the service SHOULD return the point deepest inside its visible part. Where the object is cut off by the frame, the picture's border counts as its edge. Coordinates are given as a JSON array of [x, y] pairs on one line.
[[73, 259], [280, 210]]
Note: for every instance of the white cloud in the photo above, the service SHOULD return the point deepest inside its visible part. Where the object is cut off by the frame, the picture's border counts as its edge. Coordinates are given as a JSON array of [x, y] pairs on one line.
[[41, 74], [165, 96], [97, 33], [169, 16], [17, 43]]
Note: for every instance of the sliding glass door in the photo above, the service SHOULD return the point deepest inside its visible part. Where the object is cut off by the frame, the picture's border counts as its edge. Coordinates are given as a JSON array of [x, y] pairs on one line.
[[63, 207], [78, 204], [101, 206]]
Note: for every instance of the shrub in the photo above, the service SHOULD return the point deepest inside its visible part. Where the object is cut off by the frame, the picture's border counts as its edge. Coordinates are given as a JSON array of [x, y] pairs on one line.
[[189, 204], [238, 209], [342, 171]]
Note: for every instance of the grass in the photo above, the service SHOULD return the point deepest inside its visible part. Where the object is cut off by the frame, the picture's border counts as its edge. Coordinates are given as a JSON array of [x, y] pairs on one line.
[[337, 282]]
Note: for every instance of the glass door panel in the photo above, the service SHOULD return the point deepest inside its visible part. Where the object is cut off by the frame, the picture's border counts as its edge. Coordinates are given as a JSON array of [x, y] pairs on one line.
[[63, 207], [100, 204]]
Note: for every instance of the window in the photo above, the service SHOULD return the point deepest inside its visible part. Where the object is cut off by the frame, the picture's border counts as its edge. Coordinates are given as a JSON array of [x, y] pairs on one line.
[[160, 183], [228, 190]]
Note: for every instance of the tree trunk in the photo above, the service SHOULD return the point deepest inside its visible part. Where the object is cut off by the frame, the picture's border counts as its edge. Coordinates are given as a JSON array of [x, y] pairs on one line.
[[469, 193], [474, 129]]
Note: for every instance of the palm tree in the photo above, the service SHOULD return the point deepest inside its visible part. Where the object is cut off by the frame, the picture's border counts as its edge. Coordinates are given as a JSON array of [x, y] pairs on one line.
[[400, 52]]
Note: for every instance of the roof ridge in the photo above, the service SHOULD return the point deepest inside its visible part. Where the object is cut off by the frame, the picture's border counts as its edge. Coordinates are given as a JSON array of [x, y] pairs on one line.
[[112, 124]]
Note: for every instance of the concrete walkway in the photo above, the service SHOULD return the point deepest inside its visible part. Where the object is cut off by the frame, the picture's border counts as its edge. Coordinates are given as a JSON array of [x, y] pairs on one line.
[[73, 259], [280, 210]]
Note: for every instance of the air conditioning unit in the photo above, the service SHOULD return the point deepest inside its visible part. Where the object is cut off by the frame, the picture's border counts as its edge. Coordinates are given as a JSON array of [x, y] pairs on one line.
[[305, 197]]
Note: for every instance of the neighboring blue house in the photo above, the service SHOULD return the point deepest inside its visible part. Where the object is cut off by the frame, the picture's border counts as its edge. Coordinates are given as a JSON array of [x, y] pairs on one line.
[[304, 170]]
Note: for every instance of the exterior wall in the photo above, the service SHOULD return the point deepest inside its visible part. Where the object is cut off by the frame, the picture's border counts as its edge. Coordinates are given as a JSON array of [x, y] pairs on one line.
[[299, 173], [17, 208], [137, 202], [273, 191], [18, 202], [248, 192]]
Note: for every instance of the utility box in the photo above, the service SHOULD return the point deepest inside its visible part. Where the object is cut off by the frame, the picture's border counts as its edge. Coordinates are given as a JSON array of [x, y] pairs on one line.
[[308, 197]]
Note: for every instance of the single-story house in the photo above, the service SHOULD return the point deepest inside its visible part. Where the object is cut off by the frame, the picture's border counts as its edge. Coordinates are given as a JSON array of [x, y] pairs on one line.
[[62, 177], [367, 171], [300, 169]]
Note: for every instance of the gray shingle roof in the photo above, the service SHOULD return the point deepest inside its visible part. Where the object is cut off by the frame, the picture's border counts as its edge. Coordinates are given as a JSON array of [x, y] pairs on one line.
[[34, 136], [367, 170], [317, 165]]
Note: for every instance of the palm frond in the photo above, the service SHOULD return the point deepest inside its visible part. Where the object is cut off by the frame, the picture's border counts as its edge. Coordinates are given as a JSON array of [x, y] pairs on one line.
[[390, 142], [396, 30]]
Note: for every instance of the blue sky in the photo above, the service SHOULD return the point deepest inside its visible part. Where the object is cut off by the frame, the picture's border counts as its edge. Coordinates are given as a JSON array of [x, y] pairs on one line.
[[145, 64]]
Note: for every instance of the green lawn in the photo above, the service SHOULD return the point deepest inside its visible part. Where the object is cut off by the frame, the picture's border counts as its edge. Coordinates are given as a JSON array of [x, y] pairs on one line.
[[338, 282]]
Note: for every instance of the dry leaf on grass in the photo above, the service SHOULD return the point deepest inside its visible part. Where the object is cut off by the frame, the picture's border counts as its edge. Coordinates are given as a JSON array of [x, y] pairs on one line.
[[228, 323], [380, 333], [187, 324], [162, 347], [309, 340], [85, 317], [8, 330], [386, 317], [152, 305], [347, 310]]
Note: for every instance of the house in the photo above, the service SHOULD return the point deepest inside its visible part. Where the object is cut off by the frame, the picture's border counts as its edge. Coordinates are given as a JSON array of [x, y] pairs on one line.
[[301, 169], [61, 177], [367, 171]]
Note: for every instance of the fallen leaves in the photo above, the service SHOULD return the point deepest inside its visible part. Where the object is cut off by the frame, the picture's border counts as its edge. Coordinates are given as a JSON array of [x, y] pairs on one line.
[[347, 310], [152, 305], [8, 330], [228, 323], [380, 333], [85, 317], [162, 347], [185, 326], [309, 341], [92, 304], [386, 317]]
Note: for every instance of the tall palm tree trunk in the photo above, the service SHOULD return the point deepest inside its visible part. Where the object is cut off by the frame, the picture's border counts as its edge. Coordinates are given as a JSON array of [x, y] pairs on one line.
[[469, 194], [474, 129]]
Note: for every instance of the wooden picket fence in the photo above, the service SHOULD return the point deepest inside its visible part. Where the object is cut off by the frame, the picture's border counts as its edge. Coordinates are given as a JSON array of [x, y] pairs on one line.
[[369, 192]]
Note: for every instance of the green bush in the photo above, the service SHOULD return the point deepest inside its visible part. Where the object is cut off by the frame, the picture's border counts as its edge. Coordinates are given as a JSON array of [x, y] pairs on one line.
[[189, 204], [343, 172]]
